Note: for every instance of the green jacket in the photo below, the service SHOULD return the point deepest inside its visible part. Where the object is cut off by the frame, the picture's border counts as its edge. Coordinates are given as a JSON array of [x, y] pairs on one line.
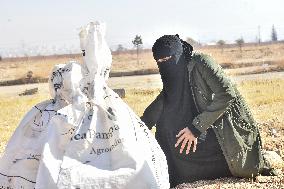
[[220, 105]]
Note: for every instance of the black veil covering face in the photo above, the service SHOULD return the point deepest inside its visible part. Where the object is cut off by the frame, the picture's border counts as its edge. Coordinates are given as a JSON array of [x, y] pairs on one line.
[[177, 113]]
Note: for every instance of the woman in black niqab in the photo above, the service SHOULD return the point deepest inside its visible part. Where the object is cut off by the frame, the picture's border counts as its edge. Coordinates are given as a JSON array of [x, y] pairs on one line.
[[173, 56], [177, 96]]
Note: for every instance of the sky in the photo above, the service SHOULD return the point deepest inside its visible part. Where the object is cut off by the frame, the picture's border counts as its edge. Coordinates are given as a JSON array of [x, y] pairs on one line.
[[53, 25]]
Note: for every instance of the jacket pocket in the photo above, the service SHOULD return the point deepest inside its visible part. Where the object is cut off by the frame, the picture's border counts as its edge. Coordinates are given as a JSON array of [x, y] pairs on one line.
[[241, 118], [201, 94], [242, 131], [201, 100]]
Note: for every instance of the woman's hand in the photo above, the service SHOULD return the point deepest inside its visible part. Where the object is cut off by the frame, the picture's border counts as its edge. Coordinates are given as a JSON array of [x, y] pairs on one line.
[[186, 137]]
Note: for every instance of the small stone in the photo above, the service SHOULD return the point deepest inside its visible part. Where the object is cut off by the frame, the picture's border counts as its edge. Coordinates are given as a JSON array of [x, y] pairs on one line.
[[274, 160], [266, 179], [273, 132]]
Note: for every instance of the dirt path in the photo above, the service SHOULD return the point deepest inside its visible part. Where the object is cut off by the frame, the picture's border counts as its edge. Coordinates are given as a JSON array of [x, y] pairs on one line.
[[262, 76], [154, 81], [138, 82]]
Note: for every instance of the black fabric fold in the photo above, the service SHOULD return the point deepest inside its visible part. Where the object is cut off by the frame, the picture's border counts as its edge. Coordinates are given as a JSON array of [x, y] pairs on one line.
[[194, 131]]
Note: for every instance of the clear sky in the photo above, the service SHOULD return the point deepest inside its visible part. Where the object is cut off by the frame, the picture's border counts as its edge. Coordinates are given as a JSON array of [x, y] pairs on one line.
[[52, 23]]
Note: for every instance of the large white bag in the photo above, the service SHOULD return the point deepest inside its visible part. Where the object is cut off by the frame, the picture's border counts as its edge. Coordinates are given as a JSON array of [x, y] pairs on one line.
[[101, 142], [92, 139]]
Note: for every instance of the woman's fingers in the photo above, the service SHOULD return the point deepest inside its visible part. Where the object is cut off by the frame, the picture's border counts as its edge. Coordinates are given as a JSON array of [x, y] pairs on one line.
[[188, 146], [180, 133], [180, 140], [183, 145], [194, 145], [186, 137]]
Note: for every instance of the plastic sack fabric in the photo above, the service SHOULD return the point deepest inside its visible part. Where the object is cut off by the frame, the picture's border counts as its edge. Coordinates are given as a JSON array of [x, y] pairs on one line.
[[92, 139], [20, 161]]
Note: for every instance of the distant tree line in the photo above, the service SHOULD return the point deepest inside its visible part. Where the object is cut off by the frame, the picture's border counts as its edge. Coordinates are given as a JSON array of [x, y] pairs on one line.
[[137, 42]]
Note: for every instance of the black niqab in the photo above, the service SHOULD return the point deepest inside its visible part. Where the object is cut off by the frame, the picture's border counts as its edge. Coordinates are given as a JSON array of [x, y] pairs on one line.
[[177, 112]]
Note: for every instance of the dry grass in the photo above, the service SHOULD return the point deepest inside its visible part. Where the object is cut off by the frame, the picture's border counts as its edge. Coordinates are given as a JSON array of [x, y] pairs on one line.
[[266, 99], [231, 57], [19, 69], [249, 54], [12, 110]]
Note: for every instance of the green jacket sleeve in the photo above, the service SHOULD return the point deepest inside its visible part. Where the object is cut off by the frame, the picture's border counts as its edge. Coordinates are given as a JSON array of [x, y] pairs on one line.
[[222, 89], [153, 112]]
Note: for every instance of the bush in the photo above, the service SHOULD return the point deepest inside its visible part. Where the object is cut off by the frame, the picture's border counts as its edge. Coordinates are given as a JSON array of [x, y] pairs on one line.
[[30, 74]]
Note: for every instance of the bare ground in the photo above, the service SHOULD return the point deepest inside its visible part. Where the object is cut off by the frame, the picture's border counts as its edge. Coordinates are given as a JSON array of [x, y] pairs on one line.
[[137, 82], [153, 82]]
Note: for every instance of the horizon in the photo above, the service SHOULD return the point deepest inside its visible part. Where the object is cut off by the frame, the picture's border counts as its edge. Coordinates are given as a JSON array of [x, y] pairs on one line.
[[51, 27]]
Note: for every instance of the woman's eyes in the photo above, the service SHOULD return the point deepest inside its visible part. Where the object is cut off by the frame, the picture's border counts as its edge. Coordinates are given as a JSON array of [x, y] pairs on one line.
[[161, 60]]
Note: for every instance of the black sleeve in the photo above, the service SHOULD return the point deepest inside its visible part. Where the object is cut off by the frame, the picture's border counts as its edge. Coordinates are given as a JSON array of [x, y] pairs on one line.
[[152, 113], [196, 133]]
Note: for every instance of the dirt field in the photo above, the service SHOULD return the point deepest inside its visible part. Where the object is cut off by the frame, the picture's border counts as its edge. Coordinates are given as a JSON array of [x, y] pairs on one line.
[[252, 59], [264, 93]]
